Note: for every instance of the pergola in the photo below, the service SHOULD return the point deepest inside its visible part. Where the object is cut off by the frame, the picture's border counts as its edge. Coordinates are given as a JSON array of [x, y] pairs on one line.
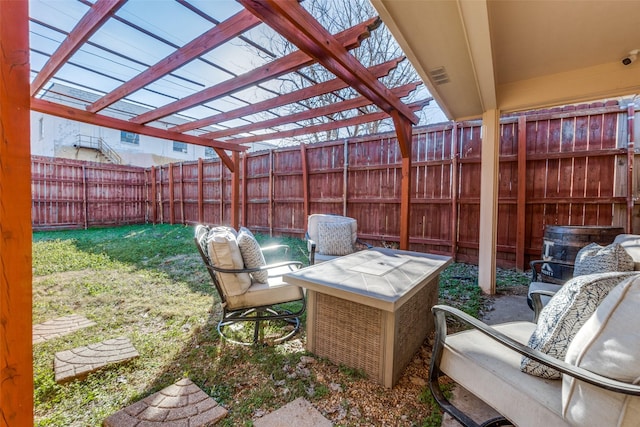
[[188, 114]]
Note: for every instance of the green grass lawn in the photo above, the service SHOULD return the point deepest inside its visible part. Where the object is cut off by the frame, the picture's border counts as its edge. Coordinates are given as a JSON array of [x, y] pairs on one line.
[[148, 283]]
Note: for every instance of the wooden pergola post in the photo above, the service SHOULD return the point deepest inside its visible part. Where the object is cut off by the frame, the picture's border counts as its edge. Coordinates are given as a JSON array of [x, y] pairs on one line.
[[489, 201], [404, 134], [16, 364]]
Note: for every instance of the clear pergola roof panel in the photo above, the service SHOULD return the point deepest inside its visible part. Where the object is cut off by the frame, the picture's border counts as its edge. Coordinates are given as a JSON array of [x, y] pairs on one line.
[[131, 66]]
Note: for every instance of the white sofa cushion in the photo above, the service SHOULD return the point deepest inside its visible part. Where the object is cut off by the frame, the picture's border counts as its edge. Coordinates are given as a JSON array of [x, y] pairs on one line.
[[225, 253], [565, 314], [334, 238], [252, 254], [491, 371], [608, 344], [594, 258]]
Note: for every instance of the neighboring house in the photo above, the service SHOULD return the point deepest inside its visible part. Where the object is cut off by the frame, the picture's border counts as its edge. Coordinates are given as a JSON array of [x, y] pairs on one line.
[[57, 137]]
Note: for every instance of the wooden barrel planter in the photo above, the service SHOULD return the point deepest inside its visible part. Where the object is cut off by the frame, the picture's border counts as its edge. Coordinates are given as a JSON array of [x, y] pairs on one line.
[[563, 242]]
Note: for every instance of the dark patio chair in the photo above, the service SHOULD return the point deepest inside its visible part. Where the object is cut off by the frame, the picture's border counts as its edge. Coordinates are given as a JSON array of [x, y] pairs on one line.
[[253, 293]]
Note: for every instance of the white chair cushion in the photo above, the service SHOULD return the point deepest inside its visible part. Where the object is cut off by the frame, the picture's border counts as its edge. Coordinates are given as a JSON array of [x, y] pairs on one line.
[[252, 254], [334, 238], [631, 244], [565, 314], [608, 344], [594, 258], [225, 253], [263, 294], [491, 371]]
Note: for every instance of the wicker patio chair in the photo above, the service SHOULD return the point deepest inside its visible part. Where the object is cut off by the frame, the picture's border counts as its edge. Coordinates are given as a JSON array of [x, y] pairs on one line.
[[253, 293]]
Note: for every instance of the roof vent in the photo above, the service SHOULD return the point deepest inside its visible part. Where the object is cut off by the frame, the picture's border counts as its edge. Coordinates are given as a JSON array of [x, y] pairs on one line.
[[439, 75]]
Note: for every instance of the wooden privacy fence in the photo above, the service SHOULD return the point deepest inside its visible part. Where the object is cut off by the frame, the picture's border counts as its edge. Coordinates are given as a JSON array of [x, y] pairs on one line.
[[75, 194], [563, 167]]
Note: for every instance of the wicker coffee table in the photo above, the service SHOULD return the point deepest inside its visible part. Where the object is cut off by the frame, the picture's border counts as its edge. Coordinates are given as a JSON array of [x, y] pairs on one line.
[[371, 310]]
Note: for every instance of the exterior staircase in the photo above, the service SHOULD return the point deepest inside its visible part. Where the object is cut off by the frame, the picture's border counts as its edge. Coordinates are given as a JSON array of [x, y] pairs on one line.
[[100, 145]]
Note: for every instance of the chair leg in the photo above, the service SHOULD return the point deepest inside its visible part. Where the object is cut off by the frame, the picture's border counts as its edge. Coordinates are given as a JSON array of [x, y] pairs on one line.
[[258, 316]]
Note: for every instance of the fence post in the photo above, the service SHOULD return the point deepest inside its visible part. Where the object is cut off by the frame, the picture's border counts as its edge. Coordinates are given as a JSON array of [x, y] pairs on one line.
[[345, 178], [200, 192], [182, 194], [454, 191], [244, 189], [271, 189], [522, 192], [154, 203], [85, 201], [630, 157], [305, 180], [172, 214], [235, 190]]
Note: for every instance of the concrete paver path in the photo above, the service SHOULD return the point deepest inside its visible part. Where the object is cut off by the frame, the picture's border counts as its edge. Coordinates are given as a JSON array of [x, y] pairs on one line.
[[180, 404], [59, 327], [77, 363], [299, 413]]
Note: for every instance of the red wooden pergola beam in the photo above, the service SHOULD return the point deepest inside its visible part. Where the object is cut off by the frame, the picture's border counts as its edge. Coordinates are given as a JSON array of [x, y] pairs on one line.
[[379, 70], [294, 23], [349, 38], [327, 110], [365, 118], [211, 39], [83, 116], [86, 27]]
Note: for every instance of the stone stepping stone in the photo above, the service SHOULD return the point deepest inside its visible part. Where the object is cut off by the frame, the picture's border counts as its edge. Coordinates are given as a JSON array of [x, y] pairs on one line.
[[58, 327], [79, 362], [180, 404], [299, 413]]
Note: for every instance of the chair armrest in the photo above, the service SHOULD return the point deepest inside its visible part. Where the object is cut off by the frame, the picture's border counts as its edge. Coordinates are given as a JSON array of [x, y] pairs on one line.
[[297, 264], [311, 247], [536, 270], [537, 302], [271, 251]]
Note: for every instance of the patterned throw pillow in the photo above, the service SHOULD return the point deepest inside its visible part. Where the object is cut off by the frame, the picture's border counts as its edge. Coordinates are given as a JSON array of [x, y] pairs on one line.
[[565, 314], [224, 253], [334, 238], [594, 258], [252, 255]]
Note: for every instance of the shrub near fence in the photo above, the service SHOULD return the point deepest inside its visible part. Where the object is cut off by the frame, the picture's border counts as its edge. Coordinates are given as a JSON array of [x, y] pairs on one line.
[[566, 167]]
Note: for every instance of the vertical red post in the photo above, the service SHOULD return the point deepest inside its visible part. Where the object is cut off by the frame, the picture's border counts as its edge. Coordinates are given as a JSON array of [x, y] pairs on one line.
[[172, 214], [200, 192], [630, 157], [521, 203], [404, 135], [235, 191], [154, 202], [454, 190], [305, 180], [16, 364], [244, 190], [271, 186]]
